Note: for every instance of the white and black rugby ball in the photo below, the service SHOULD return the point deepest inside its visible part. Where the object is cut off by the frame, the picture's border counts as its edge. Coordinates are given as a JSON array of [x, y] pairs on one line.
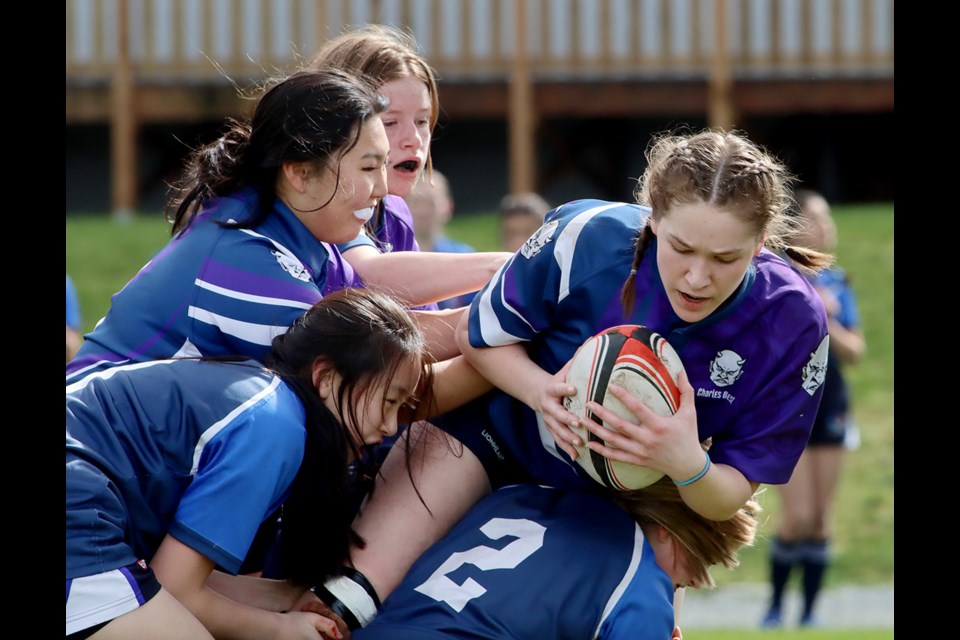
[[642, 362]]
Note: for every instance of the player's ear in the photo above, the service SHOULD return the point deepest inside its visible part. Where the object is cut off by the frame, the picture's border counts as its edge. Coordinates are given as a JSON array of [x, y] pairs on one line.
[[296, 174], [324, 378], [663, 535], [654, 223], [756, 252]]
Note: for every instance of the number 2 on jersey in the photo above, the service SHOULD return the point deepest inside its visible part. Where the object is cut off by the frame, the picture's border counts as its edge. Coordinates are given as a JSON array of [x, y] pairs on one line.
[[529, 536]]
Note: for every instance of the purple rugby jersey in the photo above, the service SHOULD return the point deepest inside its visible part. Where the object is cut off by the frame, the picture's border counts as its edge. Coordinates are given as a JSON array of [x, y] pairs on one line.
[[756, 364]]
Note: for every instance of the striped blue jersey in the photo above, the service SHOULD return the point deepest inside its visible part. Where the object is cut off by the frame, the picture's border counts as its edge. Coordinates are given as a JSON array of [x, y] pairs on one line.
[[756, 364], [532, 562], [214, 291], [202, 450]]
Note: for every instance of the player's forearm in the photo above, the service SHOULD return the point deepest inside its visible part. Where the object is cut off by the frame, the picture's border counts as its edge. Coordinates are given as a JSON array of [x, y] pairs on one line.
[[422, 277], [263, 593], [509, 368], [719, 494], [439, 331], [456, 382]]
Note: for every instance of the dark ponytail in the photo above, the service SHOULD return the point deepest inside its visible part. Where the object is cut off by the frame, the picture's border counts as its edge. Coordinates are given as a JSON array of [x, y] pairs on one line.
[[310, 116]]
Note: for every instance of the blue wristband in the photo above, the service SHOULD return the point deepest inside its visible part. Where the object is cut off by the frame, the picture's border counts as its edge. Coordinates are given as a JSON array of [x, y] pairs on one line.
[[703, 472]]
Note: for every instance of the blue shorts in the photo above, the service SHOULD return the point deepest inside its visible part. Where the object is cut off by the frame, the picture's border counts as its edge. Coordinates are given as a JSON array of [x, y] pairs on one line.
[[105, 578], [472, 426]]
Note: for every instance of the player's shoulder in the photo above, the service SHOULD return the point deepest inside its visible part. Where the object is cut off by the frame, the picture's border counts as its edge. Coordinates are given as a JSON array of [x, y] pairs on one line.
[[622, 212], [263, 402], [398, 208], [780, 287], [780, 275], [596, 223]]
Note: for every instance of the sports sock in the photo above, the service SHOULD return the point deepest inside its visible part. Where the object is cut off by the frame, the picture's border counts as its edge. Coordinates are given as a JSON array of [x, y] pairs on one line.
[[815, 558], [783, 555]]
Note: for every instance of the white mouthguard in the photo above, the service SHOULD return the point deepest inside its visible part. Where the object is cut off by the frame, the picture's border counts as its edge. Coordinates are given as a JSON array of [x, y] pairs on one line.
[[364, 214]]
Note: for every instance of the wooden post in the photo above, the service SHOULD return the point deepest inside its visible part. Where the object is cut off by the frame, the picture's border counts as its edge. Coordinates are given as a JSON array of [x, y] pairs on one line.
[[123, 124], [520, 124], [721, 112]]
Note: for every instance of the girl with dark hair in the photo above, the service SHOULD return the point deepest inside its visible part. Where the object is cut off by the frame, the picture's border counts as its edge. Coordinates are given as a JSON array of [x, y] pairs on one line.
[[255, 221], [172, 465]]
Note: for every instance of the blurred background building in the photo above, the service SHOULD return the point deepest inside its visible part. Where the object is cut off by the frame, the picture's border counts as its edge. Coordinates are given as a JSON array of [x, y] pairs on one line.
[[556, 96]]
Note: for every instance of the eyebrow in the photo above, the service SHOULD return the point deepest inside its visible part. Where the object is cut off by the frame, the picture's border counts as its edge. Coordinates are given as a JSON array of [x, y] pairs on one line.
[[399, 388], [724, 252]]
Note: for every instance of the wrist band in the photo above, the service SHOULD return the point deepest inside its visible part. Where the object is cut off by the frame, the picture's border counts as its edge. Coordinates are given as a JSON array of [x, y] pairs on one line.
[[350, 596], [703, 472]]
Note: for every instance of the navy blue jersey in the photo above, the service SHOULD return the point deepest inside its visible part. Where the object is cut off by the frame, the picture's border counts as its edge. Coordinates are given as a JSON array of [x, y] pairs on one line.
[[756, 364], [214, 291], [533, 562], [204, 451]]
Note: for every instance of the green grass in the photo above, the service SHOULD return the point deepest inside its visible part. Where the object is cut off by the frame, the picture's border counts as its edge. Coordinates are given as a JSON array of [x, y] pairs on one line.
[[789, 634], [102, 255]]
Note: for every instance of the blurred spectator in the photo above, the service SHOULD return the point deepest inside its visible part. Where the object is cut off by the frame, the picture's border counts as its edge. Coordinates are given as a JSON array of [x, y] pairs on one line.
[[431, 204], [74, 337], [521, 214], [803, 535]]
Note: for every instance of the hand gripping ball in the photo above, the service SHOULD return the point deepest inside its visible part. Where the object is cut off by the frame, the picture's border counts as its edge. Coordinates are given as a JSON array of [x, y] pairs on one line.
[[642, 362]]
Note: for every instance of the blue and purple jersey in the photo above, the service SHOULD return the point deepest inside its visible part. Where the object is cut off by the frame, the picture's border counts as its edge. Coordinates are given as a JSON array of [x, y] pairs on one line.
[[216, 291], [756, 364], [204, 451], [530, 562]]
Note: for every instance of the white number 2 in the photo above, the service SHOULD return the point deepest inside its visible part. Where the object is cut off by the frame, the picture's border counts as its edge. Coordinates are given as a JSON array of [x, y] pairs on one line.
[[529, 536]]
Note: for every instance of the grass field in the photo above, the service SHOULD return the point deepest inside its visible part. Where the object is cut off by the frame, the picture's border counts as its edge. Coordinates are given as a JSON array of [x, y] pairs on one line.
[[102, 255], [790, 634]]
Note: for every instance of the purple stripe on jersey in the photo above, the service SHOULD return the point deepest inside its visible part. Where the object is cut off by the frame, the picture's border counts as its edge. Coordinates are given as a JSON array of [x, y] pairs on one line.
[[145, 348], [227, 277], [134, 585], [81, 362]]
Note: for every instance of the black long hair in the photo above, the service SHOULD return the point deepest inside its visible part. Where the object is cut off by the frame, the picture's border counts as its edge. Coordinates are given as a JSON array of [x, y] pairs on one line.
[[310, 116], [365, 337]]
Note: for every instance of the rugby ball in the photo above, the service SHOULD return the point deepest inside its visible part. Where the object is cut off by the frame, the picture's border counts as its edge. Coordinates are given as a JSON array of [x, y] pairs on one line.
[[642, 362]]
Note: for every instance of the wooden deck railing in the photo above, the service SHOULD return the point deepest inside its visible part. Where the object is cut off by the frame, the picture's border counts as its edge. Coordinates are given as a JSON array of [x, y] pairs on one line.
[[203, 41], [135, 61]]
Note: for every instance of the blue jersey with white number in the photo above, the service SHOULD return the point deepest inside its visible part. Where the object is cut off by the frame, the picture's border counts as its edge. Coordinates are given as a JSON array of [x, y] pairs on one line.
[[531, 562], [214, 291], [756, 364], [204, 451]]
